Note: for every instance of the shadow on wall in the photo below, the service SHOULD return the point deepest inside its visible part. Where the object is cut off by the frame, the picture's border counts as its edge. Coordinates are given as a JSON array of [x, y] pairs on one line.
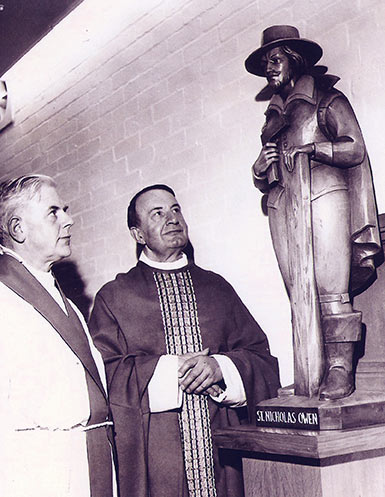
[[72, 285], [69, 279]]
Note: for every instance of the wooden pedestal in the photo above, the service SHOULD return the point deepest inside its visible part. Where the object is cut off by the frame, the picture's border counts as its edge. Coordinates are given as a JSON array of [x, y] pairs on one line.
[[296, 463], [283, 479]]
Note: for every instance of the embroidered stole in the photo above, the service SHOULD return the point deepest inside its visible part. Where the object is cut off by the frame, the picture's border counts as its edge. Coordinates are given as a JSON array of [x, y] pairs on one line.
[[182, 334]]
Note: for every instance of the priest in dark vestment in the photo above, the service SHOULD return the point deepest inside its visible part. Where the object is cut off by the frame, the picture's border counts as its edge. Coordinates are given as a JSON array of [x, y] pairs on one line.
[[183, 357]]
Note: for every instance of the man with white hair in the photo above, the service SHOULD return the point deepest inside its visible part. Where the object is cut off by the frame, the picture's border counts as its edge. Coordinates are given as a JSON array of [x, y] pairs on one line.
[[54, 413]]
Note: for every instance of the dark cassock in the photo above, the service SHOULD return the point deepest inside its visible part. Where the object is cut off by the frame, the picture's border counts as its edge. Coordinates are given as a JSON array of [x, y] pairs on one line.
[[146, 318]]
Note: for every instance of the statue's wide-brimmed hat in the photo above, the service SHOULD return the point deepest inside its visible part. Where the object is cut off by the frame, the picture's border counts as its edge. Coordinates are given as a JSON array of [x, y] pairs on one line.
[[275, 36]]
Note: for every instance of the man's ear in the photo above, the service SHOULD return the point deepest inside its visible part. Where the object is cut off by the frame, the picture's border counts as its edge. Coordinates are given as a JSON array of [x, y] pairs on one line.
[[137, 235], [15, 229]]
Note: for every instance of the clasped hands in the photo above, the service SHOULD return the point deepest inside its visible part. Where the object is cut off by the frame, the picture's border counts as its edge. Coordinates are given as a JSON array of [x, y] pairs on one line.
[[270, 154], [199, 373]]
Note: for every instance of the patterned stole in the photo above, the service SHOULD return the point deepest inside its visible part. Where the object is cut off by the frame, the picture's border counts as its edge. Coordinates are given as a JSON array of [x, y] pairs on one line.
[[182, 333]]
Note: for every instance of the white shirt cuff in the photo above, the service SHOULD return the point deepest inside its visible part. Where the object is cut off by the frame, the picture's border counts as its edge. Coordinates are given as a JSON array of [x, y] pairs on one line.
[[234, 395], [163, 389]]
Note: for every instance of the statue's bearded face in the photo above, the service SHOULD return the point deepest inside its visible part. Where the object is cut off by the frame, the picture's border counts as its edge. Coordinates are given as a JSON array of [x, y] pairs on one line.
[[277, 68]]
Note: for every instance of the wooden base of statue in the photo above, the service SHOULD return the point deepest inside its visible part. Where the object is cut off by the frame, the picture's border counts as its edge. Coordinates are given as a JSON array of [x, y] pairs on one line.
[[299, 463], [362, 408]]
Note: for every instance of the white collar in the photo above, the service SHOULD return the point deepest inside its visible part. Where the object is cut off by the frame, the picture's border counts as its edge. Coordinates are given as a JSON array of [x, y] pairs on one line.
[[44, 277], [8, 251], [168, 266]]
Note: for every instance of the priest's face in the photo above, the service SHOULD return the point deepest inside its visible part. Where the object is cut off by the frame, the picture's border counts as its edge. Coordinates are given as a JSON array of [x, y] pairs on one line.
[[43, 229], [161, 225]]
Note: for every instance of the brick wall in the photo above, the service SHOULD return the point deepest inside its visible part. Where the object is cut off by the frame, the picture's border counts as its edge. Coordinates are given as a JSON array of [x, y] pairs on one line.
[[162, 96]]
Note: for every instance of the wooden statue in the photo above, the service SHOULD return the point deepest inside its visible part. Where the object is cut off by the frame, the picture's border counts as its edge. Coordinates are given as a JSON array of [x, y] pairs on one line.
[[315, 173]]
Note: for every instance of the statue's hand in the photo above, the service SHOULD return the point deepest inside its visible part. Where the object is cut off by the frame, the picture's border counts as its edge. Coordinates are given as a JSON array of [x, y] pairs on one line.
[[289, 155], [268, 155]]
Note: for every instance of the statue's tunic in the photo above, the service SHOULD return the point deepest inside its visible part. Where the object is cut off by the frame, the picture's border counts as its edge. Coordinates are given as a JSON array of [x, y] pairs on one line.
[[147, 313], [339, 162]]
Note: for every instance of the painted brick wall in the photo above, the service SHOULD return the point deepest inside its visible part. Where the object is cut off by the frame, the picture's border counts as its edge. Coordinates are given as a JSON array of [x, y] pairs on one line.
[[164, 97]]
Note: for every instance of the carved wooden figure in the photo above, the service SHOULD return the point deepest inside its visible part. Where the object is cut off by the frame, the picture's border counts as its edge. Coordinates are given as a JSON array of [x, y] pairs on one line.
[[314, 170]]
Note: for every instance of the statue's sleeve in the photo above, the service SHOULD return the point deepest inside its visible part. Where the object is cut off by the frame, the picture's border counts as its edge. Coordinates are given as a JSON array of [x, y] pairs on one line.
[[347, 148], [260, 182]]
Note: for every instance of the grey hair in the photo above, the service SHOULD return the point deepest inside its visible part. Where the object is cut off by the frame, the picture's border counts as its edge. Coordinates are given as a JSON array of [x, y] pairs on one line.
[[14, 193]]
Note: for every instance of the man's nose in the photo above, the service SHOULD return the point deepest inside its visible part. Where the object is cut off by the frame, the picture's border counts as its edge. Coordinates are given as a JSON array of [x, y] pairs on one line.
[[172, 218], [67, 220], [270, 67]]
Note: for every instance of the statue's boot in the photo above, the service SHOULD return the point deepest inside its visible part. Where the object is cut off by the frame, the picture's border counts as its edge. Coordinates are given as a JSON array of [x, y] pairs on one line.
[[338, 380], [340, 331]]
